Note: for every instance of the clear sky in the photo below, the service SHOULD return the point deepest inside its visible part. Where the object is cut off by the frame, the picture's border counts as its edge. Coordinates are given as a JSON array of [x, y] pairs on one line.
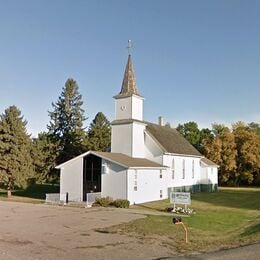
[[193, 60]]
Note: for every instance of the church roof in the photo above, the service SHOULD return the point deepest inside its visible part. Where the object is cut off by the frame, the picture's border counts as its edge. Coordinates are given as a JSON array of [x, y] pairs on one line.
[[129, 86], [170, 140], [120, 159], [127, 161], [208, 162]]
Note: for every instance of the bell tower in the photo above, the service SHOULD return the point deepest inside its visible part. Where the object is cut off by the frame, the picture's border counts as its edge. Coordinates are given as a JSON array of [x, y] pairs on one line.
[[128, 127], [129, 104]]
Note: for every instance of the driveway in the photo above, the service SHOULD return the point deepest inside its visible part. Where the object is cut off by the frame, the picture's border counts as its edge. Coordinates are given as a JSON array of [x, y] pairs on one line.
[[36, 231]]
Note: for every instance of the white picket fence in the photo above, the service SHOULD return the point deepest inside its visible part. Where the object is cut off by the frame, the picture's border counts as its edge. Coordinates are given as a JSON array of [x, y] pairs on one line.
[[91, 198]]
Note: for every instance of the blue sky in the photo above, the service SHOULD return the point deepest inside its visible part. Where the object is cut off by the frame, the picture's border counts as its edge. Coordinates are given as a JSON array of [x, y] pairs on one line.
[[193, 60]]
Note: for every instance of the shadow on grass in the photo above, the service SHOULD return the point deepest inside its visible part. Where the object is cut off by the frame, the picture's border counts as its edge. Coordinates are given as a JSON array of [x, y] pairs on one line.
[[251, 230], [233, 198], [34, 191], [146, 206]]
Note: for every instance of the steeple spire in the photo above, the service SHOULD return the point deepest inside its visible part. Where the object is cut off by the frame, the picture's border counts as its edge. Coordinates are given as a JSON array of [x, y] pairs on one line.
[[129, 83]]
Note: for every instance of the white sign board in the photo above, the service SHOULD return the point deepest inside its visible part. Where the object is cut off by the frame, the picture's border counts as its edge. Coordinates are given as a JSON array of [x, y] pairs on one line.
[[180, 198]]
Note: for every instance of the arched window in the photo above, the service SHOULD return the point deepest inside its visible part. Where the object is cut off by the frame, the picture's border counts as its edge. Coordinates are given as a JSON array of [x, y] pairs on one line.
[[173, 169], [192, 168], [183, 169]]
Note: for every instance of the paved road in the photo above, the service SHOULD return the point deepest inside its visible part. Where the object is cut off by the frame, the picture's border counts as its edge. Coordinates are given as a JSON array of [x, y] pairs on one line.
[[251, 252]]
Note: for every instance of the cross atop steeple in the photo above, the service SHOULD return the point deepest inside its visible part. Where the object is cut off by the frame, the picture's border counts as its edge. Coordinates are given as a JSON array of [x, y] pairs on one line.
[[129, 46]]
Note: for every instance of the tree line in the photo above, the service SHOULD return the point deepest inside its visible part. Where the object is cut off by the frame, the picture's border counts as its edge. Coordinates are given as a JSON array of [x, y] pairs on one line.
[[236, 150], [25, 160]]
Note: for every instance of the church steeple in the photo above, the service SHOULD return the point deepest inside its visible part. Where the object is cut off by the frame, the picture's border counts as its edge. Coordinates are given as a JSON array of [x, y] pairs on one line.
[[128, 126], [129, 86]]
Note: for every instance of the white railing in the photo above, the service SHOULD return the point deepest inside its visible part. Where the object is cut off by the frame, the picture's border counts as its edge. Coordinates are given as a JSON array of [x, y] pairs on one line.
[[56, 198], [91, 197], [52, 197]]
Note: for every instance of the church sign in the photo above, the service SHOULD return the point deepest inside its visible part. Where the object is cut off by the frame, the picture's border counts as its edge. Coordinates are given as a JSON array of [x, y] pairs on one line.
[[182, 198]]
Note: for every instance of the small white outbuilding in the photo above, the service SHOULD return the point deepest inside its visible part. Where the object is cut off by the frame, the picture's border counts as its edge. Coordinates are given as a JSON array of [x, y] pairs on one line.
[[146, 161]]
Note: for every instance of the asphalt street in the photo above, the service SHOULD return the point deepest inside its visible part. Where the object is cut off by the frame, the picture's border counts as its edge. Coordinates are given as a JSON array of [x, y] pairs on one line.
[[250, 252]]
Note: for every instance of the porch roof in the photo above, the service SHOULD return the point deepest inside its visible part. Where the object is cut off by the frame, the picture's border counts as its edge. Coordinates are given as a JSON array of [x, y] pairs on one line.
[[208, 162], [129, 162], [120, 159]]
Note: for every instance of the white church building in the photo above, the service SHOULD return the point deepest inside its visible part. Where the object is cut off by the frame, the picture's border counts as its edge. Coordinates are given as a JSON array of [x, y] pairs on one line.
[[146, 161]]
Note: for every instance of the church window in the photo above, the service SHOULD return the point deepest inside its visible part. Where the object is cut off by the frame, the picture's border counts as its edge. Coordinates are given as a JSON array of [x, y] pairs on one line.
[[135, 180], [183, 169], [173, 168], [192, 168], [160, 174], [161, 194]]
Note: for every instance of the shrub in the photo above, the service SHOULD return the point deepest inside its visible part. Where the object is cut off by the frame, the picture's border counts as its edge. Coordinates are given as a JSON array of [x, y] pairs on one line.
[[121, 203], [104, 202], [181, 210]]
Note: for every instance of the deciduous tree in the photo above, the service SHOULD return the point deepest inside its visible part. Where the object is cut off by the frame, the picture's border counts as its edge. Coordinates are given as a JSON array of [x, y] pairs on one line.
[[222, 151], [248, 153], [191, 132]]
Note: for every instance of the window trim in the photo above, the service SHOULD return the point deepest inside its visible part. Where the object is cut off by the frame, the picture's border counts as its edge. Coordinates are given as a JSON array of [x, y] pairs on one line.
[[173, 169], [183, 169], [193, 169]]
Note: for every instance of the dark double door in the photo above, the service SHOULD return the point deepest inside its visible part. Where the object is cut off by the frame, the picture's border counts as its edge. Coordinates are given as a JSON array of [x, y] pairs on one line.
[[91, 174]]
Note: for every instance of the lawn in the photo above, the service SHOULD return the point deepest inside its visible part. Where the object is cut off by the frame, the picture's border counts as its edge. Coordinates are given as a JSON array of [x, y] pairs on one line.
[[33, 194], [228, 218]]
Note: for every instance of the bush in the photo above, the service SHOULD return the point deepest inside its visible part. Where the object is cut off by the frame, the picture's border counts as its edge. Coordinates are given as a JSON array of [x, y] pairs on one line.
[[104, 202], [180, 210], [107, 201], [121, 203]]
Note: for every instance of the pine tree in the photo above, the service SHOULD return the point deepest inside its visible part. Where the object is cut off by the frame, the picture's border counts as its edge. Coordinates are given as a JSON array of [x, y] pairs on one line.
[[44, 154], [15, 147], [66, 123], [99, 134]]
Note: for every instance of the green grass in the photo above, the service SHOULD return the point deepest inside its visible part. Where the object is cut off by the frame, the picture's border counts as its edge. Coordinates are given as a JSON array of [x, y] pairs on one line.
[[33, 194], [224, 219]]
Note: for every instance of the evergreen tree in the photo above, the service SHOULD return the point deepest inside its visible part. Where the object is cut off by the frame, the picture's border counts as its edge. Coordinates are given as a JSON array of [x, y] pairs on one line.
[[66, 123], [44, 154], [99, 134], [15, 147]]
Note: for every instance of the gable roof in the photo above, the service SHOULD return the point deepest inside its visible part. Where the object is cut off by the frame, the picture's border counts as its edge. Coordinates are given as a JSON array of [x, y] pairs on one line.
[[170, 140], [208, 162], [120, 159], [127, 161]]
